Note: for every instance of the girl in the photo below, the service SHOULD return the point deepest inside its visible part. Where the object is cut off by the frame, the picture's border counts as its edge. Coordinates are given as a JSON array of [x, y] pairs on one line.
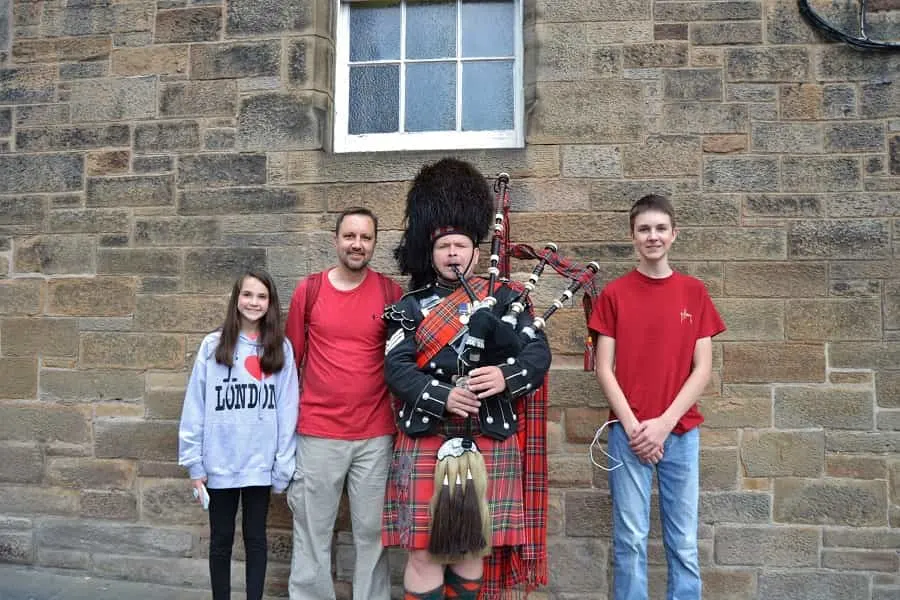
[[237, 426]]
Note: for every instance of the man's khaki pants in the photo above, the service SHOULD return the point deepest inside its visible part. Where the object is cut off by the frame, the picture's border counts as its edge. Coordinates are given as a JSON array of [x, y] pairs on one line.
[[313, 496]]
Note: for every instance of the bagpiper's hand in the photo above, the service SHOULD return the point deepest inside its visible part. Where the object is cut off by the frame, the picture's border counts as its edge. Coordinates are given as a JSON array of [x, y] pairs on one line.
[[462, 402], [487, 381]]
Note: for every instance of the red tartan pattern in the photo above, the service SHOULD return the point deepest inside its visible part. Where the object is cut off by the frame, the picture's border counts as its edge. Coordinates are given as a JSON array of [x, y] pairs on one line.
[[442, 324], [407, 518]]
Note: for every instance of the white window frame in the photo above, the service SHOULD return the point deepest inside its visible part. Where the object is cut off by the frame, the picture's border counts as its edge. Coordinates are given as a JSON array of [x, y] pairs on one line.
[[427, 140]]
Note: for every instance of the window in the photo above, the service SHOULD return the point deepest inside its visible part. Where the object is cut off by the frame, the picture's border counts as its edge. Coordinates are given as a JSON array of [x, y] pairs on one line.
[[428, 75]]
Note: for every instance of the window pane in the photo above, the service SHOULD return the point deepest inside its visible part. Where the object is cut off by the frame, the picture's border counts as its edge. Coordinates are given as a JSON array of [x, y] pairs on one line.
[[374, 99], [431, 97], [374, 32], [431, 30], [487, 90], [487, 28]]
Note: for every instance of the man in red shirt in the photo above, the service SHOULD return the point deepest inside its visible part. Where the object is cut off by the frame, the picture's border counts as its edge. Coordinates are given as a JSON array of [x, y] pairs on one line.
[[346, 422], [654, 359]]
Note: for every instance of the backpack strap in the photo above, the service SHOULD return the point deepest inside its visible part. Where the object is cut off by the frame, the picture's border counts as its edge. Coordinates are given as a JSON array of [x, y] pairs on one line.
[[313, 285]]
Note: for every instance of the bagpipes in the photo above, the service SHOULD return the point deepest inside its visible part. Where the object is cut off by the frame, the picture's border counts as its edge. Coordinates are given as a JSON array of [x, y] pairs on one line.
[[461, 521]]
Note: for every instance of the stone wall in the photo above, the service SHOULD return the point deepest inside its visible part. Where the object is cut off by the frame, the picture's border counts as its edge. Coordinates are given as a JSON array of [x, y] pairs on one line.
[[149, 150]]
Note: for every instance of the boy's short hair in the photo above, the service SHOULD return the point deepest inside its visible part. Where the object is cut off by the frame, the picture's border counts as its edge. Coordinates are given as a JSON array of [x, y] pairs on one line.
[[651, 202], [355, 210]]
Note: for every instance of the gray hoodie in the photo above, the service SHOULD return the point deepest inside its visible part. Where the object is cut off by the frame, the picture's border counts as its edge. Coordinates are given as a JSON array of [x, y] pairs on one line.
[[238, 424]]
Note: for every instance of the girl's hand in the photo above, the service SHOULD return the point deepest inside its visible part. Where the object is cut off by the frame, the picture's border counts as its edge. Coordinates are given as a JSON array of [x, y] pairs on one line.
[[198, 485]]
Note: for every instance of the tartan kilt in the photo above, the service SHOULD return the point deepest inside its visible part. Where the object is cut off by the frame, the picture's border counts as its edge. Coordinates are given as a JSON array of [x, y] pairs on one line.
[[407, 515]]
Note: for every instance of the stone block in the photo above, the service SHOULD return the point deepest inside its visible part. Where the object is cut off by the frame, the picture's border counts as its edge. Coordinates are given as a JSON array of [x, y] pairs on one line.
[[91, 296], [565, 11], [199, 98], [180, 313], [839, 101], [114, 538], [16, 547], [798, 138], [778, 280], [718, 469], [821, 174], [766, 363], [588, 514], [767, 546], [844, 502], [785, 25], [203, 24], [569, 227], [130, 191], [752, 410], [895, 154], [23, 214], [767, 64], [153, 164], [21, 463], [43, 500], [47, 337], [34, 173], [888, 420], [842, 63], [866, 204], [802, 101], [865, 136], [55, 254], [783, 453], [108, 505], [887, 387], [692, 85], [72, 138], [89, 221], [708, 209], [93, 18], [113, 99], [96, 474], [705, 117], [735, 507], [541, 161], [161, 60], [582, 423], [235, 60], [810, 585], [164, 403], [215, 269], [569, 470], [253, 17], [655, 55], [578, 566], [726, 33], [729, 583], [29, 84], [39, 422], [20, 296], [111, 162], [662, 156], [220, 170], [741, 173], [50, 50], [64, 385], [752, 319], [136, 439], [839, 239], [861, 560], [879, 99], [138, 261], [576, 51], [167, 137], [83, 70], [587, 112], [280, 122], [744, 243], [866, 441], [176, 231], [834, 319], [728, 10], [575, 388], [784, 205], [132, 350], [220, 139], [856, 467], [591, 161], [310, 61]]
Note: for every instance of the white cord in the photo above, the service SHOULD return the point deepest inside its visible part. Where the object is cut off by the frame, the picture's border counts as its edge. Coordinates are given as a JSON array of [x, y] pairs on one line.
[[596, 443]]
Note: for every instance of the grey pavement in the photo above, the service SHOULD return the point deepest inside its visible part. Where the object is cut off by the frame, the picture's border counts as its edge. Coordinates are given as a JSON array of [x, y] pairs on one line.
[[27, 583]]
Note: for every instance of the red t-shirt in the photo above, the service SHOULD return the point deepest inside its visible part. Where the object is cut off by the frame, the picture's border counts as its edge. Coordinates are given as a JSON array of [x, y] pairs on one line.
[[656, 324], [343, 394]]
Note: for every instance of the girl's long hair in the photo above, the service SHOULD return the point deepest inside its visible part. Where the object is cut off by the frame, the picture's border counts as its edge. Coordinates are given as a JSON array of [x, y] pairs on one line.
[[271, 331]]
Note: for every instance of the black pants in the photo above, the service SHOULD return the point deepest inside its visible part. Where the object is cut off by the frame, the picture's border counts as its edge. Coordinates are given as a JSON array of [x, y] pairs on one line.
[[223, 504]]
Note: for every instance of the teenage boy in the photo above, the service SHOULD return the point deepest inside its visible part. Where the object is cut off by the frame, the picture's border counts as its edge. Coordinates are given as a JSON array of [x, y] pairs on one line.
[[654, 359]]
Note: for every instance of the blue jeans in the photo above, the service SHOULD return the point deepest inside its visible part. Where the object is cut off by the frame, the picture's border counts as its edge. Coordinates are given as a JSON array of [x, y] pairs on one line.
[[678, 475]]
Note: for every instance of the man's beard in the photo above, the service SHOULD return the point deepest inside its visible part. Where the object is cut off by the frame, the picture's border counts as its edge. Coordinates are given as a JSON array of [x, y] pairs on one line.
[[354, 266]]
